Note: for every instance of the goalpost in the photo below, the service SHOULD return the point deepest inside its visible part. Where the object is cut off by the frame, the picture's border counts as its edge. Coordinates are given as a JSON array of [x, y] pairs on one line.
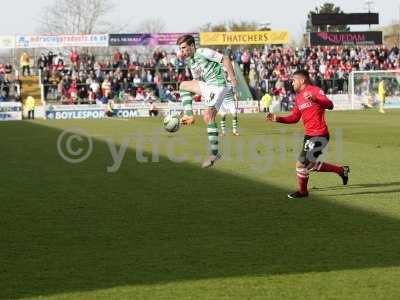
[[363, 88]]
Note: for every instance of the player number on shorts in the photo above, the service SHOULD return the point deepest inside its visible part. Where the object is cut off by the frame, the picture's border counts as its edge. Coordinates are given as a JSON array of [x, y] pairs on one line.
[[309, 145]]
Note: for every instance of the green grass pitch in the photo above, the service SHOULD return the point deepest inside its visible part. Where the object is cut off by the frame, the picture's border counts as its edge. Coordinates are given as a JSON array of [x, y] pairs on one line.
[[165, 229]]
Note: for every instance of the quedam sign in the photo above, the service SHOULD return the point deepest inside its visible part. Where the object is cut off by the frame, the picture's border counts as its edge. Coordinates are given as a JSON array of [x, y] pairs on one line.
[[345, 38]]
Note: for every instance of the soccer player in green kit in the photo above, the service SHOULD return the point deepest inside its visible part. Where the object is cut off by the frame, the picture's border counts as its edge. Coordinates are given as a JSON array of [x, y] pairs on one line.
[[209, 81], [229, 106]]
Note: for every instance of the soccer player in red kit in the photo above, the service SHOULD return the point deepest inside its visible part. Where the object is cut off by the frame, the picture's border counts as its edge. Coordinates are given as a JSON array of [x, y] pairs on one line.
[[310, 105]]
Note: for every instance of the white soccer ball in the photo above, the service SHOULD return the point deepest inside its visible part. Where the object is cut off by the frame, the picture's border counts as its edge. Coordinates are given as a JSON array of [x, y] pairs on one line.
[[172, 123]]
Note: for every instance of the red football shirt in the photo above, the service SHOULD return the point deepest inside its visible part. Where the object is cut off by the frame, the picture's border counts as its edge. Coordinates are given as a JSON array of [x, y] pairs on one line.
[[311, 111], [74, 57]]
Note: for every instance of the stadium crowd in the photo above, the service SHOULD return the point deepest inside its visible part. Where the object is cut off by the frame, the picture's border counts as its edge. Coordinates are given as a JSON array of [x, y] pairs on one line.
[[329, 67], [123, 78], [10, 85], [127, 76]]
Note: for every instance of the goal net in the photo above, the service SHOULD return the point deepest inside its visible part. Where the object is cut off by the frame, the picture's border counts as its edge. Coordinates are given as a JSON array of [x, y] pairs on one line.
[[363, 88]]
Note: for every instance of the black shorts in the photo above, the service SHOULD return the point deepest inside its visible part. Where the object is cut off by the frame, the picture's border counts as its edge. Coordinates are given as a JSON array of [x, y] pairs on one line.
[[312, 148]]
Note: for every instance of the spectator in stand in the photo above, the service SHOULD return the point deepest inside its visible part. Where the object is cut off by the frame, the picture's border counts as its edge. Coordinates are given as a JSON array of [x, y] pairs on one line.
[[59, 59], [246, 61], [74, 57], [2, 72], [162, 93], [134, 58], [50, 59], [17, 88], [73, 92], [42, 63], [137, 80], [59, 64], [158, 56], [118, 58], [238, 57], [61, 89], [150, 96], [67, 82], [46, 86], [6, 87], [126, 57], [25, 62], [106, 87], [140, 93], [97, 67], [83, 87], [252, 78], [8, 68], [115, 86], [149, 77], [2, 97], [179, 62]]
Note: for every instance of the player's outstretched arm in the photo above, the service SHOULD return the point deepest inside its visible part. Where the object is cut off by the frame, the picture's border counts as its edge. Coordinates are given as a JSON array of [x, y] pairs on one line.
[[294, 117]]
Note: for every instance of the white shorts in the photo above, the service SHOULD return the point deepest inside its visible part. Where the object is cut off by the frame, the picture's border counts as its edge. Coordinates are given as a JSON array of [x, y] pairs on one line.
[[227, 107], [213, 96]]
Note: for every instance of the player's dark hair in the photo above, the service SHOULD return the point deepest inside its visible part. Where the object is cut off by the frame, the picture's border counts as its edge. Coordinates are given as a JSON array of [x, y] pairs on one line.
[[304, 74], [187, 38]]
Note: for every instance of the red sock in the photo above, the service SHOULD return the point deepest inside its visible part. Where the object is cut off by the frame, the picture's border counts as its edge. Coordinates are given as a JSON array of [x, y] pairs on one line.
[[302, 180], [325, 167]]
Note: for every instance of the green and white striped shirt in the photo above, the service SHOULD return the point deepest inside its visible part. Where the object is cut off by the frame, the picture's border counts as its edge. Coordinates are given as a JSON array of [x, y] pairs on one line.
[[206, 66]]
